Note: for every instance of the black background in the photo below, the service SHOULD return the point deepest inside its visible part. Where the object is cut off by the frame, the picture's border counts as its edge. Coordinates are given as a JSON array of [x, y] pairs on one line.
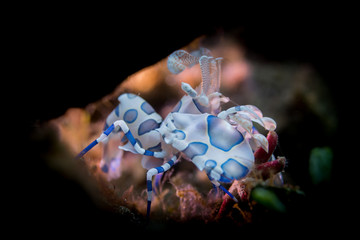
[[64, 57], [65, 53]]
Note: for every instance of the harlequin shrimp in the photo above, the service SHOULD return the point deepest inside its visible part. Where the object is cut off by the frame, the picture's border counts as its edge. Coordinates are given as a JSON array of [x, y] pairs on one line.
[[221, 143]]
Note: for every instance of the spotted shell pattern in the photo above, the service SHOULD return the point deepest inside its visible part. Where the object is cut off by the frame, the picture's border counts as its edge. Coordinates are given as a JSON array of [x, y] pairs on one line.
[[140, 117], [213, 145]]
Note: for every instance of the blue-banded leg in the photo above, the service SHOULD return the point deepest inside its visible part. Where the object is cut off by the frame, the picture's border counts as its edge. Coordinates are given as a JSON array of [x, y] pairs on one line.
[[129, 136], [150, 173], [217, 184]]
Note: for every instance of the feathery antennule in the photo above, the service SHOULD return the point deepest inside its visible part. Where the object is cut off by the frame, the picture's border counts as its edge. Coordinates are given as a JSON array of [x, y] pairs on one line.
[[179, 60], [205, 51], [218, 73], [205, 65]]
